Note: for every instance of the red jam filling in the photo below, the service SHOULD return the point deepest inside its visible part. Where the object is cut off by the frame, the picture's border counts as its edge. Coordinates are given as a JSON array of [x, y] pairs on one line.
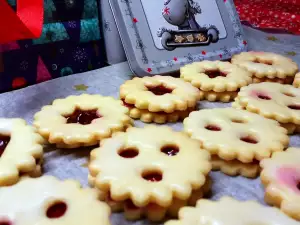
[[294, 107], [127, 104], [57, 210], [4, 140], [154, 176], [83, 117], [215, 73], [249, 139], [160, 90], [289, 177], [5, 223], [170, 150], [129, 205], [261, 95], [129, 153], [213, 127]]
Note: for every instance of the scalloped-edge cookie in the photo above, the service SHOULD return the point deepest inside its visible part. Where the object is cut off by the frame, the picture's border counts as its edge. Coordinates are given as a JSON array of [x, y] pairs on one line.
[[21, 150], [147, 165], [228, 211], [236, 134], [159, 117], [271, 100], [235, 167], [296, 82], [154, 212], [287, 80], [266, 64], [47, 200], [82, 120], [212, 96], [281, 177], [215, 76], [159, 94]]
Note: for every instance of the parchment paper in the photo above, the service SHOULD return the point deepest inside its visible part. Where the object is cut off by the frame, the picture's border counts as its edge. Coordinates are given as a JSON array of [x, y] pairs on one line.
[[65, 164]]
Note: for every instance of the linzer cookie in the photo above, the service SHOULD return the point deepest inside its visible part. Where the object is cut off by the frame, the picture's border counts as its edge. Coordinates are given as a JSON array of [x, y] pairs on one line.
[[21, 151], [266, 66], [46, 200], [81, 120], [159, 99], [281, 177], [296, 82], [228, 211], [150, 171], [274, 101], [236, 135], [217, 81]]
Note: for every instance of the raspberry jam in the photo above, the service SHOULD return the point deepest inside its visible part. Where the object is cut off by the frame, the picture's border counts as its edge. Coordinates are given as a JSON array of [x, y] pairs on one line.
[[4, 140], [215, 73], [127, 104], [129, 205], [5, 223], [154, 176], [160, 90], [170, 150], [57, 210], [213, 127], [83, 117], [129, 153], [294, 107], [249, 139]]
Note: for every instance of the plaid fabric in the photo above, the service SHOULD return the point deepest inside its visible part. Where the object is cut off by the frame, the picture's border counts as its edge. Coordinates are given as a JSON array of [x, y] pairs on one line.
[[70, 43]]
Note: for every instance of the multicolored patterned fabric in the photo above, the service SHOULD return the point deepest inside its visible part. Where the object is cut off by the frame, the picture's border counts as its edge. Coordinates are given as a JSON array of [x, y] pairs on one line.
[[70, 43]]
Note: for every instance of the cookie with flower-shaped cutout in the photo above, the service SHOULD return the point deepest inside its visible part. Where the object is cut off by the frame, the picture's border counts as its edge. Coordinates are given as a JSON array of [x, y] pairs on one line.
[[236, 134], [281, 178], [153, 211], [47, 200], [142, 166], [159, 94], [216, 76], [21, 150], [267, 65], [235, 167], [81, 120], [228, 211], [296, 81], [271, 100]]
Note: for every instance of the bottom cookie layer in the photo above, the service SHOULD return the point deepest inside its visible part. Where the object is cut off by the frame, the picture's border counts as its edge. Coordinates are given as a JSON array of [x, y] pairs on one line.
[[288, 80], [212, 96], [235, 167], [152, 211]]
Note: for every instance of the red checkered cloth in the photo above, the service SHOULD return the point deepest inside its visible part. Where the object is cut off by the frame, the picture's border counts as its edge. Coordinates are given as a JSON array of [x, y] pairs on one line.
[[271, 14]]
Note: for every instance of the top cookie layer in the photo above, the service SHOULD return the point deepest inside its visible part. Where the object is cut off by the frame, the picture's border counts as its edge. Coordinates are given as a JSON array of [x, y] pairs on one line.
[[272, 100], [236, 134], [151, 164], [47, 200], [159, 94], [228, 211], [20, 150], [266, 64], [281, 176], [55, 122], [215, 76]]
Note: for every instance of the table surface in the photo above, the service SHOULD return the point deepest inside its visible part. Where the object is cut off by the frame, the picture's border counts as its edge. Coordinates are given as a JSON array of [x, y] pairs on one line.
[[65, 164]]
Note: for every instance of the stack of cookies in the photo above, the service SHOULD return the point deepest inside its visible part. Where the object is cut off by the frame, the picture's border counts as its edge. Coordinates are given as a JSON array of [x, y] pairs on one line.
[[159, 99]]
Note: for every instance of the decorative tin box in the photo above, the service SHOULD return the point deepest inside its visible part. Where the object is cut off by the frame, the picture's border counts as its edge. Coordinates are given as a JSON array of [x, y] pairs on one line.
[[161, 36]]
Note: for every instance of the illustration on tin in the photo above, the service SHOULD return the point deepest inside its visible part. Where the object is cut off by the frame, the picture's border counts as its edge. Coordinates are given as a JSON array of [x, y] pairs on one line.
[[186, 23]]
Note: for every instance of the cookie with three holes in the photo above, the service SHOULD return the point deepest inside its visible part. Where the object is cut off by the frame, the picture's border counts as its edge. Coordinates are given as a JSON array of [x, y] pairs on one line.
[[267, 66], [21, 151], [148, 171], [159, 99], [235, 135], [274, 101], [217, 80], [47, 200], [81, 120], [228, 211], [281, 177]]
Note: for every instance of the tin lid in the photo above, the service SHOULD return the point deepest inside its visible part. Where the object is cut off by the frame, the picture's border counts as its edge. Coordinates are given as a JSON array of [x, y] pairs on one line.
[[159, 37]]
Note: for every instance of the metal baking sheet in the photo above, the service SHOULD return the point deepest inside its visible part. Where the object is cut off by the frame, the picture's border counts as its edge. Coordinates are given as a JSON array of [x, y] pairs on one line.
[[68, 163]]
